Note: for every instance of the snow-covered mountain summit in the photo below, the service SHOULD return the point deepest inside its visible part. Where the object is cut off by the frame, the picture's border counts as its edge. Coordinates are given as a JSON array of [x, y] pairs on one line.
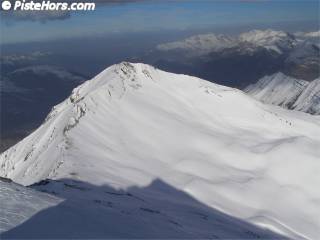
[[201, 44], [133, 124], [278, 41], [315, 34], [288, 92]]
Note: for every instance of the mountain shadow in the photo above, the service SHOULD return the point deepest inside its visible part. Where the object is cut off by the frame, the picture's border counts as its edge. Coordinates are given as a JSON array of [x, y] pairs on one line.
[[155, 211]]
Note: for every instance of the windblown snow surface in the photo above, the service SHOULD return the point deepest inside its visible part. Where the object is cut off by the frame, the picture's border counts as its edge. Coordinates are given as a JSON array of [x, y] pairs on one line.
[[133, 125], [288, 92]]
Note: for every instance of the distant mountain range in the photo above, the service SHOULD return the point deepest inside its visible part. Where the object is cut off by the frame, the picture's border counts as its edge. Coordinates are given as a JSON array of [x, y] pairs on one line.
[[239, 61], [277, 41]]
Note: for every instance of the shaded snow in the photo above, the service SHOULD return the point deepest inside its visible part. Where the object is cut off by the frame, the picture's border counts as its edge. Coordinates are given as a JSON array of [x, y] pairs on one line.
[[19, 204], [76, 209]]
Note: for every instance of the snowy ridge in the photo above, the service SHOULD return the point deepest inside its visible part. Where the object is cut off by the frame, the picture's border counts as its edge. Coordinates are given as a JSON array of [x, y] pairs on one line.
[[288, 92], [201, 44], [133, 124], [312, 37], [309, 99], [315, 34], [277, 41], [277, 89]]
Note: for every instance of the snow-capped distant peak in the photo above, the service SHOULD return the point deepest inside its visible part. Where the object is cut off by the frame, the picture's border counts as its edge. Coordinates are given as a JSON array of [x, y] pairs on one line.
[[263, 35], [277, 41], [309, 38], [271, 39], [315, 34], [203, 43]]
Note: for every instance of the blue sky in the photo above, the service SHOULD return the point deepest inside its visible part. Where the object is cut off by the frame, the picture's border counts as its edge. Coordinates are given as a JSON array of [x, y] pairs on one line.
[[156, 15]]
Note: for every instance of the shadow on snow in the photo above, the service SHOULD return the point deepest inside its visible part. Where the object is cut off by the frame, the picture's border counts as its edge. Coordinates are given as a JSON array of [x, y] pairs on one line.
[[155, 211]]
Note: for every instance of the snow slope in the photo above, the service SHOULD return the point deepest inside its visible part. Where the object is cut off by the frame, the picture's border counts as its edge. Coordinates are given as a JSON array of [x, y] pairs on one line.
[[288, 92], [277, 89], [78, 210], [309, 100], [133, 124]]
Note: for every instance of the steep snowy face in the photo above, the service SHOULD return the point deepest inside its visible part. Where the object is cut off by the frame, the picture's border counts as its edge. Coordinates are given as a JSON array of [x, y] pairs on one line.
[[278, 41], [133, 124], [288, 92], [277, 89], [309, 99], [201, 44]]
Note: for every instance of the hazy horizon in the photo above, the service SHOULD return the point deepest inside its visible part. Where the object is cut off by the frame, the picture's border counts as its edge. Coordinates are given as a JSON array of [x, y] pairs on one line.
[[140, 17]]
